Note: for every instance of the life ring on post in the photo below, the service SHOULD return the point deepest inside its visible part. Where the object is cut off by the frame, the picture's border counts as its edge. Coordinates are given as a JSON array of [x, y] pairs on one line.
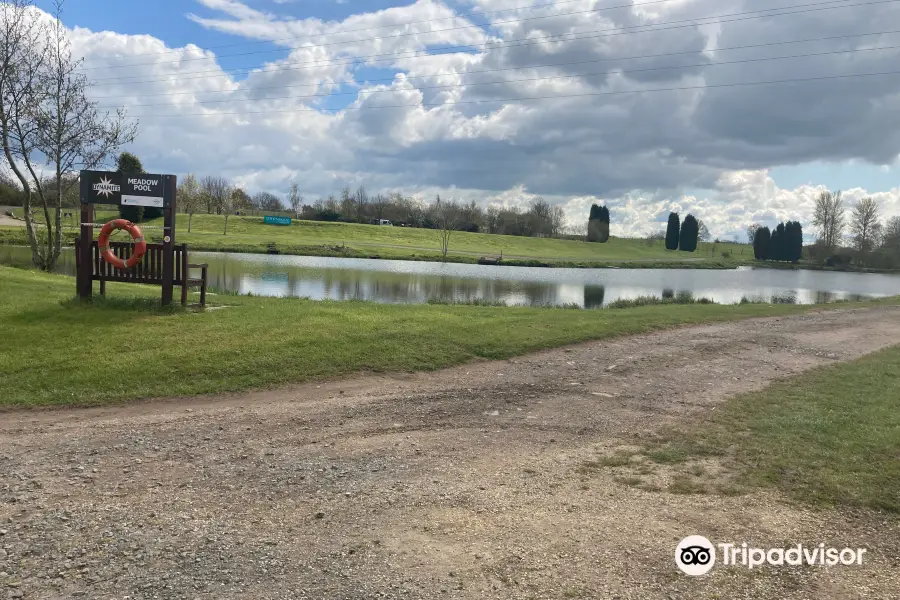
[[140, 246]]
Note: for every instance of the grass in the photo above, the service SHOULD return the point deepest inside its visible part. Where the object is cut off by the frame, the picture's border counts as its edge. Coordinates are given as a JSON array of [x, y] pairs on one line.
[[828, 437], [680, 298], [57, 351], [250, 234]]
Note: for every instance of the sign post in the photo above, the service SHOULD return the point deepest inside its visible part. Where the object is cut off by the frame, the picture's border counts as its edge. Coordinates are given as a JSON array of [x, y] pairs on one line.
[[126, 189], [271, 220]]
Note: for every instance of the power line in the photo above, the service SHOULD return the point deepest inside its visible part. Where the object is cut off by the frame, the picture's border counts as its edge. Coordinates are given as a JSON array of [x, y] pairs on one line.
[[601, 33], [528, 98], [472, 26], [514, 81], [560, 64], [404, 24]]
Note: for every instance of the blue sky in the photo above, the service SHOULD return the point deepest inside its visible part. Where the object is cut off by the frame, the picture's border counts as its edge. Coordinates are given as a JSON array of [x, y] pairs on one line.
[[622, 149], [167, 20]]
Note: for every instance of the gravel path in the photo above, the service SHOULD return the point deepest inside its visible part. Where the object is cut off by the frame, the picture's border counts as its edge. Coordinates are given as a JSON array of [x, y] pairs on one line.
[[463, 483]]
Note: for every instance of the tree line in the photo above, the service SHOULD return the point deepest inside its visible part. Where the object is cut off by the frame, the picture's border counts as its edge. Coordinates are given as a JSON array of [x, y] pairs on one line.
[[785, 243], [841, 238]]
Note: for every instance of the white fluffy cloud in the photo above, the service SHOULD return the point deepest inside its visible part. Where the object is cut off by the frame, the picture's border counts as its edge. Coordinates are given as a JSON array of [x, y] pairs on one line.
[[578, 107]]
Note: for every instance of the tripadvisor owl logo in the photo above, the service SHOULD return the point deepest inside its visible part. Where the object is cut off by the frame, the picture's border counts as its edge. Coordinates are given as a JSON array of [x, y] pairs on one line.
[[695, 555]]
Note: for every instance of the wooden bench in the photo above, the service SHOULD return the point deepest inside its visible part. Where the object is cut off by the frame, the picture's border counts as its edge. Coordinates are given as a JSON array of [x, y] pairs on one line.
[[149, 270]]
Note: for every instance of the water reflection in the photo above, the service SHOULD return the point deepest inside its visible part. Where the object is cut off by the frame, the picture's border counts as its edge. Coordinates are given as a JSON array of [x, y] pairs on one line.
[[417, 282]]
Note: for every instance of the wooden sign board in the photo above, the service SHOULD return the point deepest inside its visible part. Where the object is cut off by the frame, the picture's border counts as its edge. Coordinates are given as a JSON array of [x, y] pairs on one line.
[[126, 189]]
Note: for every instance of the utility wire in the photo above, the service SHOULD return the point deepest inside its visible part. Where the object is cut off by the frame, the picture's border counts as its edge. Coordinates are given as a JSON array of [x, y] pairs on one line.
[[529, 98], [602, 33], [560, 64], [514, 81], [404, 24], [391, 36]]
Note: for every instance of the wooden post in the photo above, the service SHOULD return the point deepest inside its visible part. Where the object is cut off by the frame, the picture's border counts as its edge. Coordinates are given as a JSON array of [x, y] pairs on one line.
[[83, 284], [168, 274]]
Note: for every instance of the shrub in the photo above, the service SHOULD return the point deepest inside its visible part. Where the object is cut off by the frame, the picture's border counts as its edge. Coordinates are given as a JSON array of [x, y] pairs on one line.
[[673, 231]]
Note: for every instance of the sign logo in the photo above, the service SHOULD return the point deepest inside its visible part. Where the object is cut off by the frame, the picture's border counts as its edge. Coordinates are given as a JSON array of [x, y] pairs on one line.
[[106, 187], [695, 555], [276, 220]]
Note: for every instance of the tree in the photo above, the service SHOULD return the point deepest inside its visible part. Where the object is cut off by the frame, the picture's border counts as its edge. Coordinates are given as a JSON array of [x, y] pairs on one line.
[[891, 237], [777, 244], [214, 191], [232, 203], [761, 243], [793, 241], [703, 232], [129, 164], [690, 229], [751, 232], [598, 224], [190, 200], [864, 227], [673, 231], [46, 117], [380, 204], [444, 214], [295, 199], [828, 218], [268, 202]]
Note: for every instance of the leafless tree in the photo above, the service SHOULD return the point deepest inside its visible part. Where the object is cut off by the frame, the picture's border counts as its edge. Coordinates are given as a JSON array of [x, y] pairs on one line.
[[46, 118], [829, 219], [190, 199], [215, 192], [445, 214], [864, 227], [703, 233], [751, 232], [235, 201], [295, 199], [890, 238], [268, 201], [379, 204]]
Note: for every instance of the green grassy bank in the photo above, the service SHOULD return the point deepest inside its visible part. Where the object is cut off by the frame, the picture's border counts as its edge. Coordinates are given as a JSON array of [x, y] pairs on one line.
[[828, 437], [56, 351], [250, 234]]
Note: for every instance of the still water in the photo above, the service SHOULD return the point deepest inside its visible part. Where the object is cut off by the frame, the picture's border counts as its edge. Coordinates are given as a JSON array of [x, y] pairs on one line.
[[396, 281]]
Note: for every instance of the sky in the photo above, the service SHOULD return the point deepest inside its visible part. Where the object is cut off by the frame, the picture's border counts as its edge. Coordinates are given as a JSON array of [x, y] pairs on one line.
[[736, 111]]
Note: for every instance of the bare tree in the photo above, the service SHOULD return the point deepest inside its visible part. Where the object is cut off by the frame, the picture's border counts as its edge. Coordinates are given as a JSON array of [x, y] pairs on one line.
[[236, 200], [751, 232], [890, 237], [379, 204], [47, 118], [829, 219], [864, 227], [295, 199], [703, 233], [268, 201], [557, 220], [190, 199], [215, 192], [360, 201], [445, 217]]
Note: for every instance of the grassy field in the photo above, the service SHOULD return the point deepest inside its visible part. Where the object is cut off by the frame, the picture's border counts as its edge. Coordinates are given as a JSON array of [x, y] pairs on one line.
[[828, 437], [250, 234], [57, 351]]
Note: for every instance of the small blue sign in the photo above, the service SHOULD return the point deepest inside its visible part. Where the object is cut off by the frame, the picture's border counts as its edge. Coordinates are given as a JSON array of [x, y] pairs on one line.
[[277, 220]]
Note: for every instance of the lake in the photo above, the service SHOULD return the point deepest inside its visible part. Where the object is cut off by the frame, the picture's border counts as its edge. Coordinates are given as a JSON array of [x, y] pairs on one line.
[[395, 281]]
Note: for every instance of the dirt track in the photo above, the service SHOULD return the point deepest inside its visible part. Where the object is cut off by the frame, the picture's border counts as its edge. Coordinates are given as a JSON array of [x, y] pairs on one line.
[[457, 484]]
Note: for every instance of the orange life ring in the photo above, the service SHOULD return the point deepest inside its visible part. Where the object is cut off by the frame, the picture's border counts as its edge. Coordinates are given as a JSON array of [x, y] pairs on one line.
[[140, 246]]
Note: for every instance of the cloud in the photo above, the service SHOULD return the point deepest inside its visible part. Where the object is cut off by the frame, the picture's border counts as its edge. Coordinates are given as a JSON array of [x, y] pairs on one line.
[[636, 107]]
